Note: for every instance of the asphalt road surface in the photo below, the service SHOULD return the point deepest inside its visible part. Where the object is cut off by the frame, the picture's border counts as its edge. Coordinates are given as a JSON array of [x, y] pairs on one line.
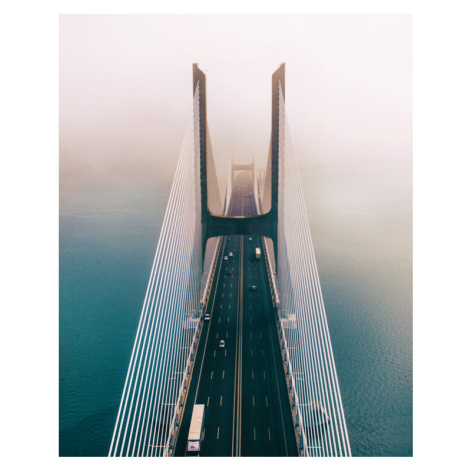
[[242, 385]]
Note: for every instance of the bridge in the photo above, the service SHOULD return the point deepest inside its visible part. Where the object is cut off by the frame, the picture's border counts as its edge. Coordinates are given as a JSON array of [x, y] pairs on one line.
[[272, 388]]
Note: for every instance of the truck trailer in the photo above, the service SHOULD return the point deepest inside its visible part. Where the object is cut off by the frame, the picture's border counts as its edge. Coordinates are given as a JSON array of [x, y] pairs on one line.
[[193, 449]]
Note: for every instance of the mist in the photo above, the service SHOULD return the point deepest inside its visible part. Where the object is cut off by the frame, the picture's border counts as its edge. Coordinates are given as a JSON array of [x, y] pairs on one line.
[[125, 101], [126, 93]]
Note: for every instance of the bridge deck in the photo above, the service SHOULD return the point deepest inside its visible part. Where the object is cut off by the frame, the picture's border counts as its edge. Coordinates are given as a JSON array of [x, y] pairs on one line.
[[242, 385]]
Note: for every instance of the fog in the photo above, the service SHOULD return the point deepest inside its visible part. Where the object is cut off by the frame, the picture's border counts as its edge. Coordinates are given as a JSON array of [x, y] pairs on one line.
[[126, 93]]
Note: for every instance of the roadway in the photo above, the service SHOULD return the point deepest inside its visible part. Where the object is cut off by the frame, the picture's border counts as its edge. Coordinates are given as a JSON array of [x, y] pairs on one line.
[[241, 385]]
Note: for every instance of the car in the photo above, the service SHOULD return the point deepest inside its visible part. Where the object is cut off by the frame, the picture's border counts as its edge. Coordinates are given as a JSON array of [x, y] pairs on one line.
[[230, 254], [225, 258], [222, 344], [207, 317], [250, 239], [253, 287]]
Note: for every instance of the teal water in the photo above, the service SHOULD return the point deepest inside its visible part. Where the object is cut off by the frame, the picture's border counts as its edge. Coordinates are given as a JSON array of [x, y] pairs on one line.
[[361, 222], [107, 245]]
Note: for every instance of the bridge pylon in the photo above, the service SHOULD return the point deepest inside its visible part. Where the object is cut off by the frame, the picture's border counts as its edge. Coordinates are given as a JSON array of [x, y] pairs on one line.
[[218, 224]]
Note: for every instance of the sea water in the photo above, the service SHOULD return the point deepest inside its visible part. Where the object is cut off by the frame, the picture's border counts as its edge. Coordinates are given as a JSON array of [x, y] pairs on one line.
[[361, 223]]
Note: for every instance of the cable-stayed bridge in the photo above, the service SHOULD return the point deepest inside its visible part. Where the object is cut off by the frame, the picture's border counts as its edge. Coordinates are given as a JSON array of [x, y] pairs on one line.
[[241, 270]]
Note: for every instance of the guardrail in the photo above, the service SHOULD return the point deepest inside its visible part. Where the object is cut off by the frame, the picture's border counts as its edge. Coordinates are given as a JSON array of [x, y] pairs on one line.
[[290, 383], [188, 371], [271, 276]]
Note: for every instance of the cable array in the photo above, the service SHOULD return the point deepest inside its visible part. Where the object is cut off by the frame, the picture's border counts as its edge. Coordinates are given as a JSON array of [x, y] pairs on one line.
[[169, 325], [165, 345], [305, 339]]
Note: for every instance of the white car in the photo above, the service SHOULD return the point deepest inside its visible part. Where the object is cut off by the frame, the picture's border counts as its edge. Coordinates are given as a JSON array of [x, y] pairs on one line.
[[222, 344], [253, 287], [207, 317], [225, 258], [230, 254]]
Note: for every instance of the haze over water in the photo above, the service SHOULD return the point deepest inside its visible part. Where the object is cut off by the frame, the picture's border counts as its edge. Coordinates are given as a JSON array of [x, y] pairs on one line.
[[124, 103]]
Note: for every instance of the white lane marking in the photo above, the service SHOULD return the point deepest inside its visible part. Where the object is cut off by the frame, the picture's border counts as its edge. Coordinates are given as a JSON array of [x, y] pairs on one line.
[[212, 373], [267, 406], [251, 335], [215, 352], [226, 334], [254, 434], [220, 400], [225, 353], [262, 352], [218, 434], [228, 319], [208, 398], [261, 335], [252, 352], [223, 373], [252, 374], [217, 335], [269, 433], [253, 400], [264, 374], [219, 319]]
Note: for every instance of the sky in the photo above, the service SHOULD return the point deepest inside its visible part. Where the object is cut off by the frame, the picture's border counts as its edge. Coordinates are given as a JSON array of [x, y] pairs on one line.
[[125, 92]]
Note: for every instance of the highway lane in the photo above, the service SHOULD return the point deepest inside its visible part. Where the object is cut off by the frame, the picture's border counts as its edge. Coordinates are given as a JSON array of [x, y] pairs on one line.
[[242, 385]]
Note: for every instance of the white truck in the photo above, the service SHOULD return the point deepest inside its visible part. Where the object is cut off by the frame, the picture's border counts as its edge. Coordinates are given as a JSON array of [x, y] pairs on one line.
[[258, 253], [196, 427]]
